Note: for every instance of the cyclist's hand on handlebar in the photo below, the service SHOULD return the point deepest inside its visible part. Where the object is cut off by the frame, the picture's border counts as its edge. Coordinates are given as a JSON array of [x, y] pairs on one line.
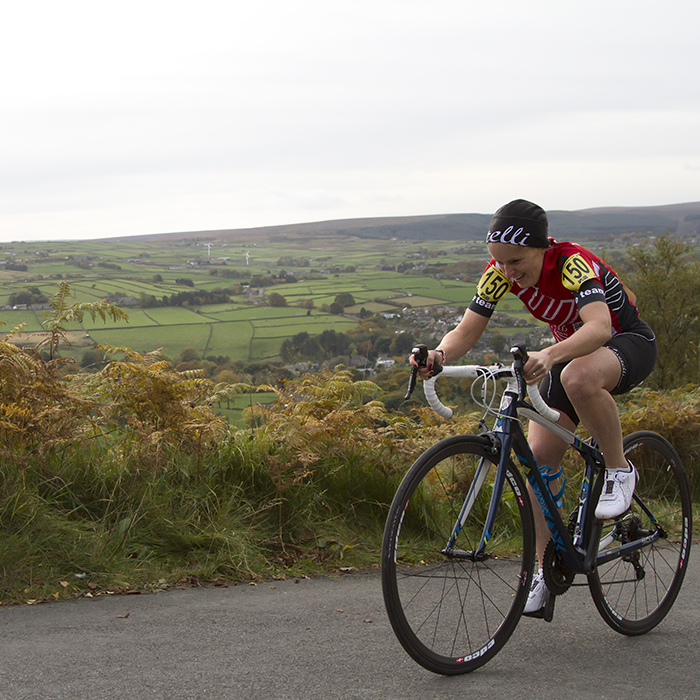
[[427, 367], [537, 367]]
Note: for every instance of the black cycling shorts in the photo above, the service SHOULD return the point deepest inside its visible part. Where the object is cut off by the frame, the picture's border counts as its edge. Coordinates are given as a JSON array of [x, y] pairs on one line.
[[637, 355]]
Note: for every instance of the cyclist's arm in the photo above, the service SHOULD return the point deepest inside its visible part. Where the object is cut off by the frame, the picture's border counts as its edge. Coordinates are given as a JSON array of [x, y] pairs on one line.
[[595, 331], [459, 340]]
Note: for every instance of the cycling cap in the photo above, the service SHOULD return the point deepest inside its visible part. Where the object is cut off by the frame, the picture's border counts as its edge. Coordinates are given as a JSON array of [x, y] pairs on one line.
[[520, 223]]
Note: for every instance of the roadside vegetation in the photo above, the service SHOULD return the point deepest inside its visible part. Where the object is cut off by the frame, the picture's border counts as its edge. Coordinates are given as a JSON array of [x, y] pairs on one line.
[[124, 480], [118, 476]]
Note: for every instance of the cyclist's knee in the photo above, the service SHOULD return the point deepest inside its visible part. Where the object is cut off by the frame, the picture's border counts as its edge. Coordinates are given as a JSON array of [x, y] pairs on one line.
[[581, 381]]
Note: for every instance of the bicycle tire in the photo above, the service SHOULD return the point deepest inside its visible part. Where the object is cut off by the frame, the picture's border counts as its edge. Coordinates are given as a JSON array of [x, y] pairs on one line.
[[633, 594], [453, 615]]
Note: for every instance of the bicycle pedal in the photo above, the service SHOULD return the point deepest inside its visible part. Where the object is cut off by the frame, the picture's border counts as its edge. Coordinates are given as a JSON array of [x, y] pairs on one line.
[[546, 612]]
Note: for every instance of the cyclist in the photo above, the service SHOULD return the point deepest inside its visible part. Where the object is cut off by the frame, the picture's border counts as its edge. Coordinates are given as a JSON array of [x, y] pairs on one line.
[[602, 347]]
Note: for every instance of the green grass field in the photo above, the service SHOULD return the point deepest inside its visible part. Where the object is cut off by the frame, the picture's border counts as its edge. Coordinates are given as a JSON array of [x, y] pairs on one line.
[[173, 339], [11, 319], [231, 339], [233, 410]]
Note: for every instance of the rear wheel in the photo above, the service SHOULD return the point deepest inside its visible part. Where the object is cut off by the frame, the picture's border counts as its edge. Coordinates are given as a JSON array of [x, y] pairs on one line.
[[452, 611], [634, 593]]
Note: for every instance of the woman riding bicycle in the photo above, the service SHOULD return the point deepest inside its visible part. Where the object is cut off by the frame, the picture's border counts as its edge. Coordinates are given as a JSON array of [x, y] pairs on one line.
[[602, 347]]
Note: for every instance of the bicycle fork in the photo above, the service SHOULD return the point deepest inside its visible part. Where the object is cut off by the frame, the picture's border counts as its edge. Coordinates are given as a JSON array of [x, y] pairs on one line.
[[474, 490]]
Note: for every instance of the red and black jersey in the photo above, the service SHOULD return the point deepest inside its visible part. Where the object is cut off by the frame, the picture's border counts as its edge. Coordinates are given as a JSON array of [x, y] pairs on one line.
[[571, 278]]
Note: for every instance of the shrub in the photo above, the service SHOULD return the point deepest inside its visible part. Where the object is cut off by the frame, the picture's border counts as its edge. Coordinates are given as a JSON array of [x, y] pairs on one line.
[[675, 415], [155, 406]]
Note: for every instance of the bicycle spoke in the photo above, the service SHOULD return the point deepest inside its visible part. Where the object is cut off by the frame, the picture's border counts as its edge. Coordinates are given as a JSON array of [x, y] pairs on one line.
[[451, 614], [634, 593]]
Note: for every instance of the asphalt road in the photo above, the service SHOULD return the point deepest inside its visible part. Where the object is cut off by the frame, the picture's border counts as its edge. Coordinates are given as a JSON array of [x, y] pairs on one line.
[[324, 638]]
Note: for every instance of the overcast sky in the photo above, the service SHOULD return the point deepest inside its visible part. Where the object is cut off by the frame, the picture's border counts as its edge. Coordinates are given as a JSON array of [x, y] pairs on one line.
[[148, 116]]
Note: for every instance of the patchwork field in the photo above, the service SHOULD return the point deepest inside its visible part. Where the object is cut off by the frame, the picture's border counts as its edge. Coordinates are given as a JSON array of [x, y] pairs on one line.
[[247, 328]]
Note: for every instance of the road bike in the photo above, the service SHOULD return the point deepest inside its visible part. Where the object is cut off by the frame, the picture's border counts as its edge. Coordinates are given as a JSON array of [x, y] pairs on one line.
[[458, 552]]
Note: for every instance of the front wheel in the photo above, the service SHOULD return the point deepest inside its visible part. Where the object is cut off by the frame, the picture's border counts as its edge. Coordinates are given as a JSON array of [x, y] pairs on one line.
[[634, 593], [452, 611]]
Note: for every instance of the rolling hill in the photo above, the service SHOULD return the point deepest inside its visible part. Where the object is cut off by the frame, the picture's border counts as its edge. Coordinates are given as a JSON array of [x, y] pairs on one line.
[[583, 224]]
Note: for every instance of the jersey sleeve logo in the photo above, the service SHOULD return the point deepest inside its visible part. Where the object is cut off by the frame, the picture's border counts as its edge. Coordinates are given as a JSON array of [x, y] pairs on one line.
[[493, 285], [575, 272]]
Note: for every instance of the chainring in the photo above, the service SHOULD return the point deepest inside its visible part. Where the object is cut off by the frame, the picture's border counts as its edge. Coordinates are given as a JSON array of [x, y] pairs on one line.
[[557, 575]]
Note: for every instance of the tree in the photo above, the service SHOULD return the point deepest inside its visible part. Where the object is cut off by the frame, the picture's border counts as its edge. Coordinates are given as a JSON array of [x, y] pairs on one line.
[[498, 343], [345, 299], [333, 343], [22, 298], [276, 299], [189, 354], [94, 359], [311, 350], [382, 345], [148, 301], [666, 281], [403, 343]]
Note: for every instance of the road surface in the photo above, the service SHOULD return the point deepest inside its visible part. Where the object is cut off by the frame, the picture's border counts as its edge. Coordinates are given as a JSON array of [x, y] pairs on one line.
[[320, 639]]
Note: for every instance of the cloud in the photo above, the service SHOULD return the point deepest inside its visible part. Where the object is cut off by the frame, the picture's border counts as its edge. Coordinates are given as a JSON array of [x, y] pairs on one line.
[[155, 116]]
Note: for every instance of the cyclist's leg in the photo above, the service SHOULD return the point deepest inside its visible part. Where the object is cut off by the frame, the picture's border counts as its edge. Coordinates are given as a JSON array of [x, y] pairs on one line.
[[588, 382], [548, 450]]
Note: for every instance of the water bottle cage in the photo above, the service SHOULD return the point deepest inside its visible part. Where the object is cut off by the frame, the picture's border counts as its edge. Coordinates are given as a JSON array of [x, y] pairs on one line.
[[549, 477]]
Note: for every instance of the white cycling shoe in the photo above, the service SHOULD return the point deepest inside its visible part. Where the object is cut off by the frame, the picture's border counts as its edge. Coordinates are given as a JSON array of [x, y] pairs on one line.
[[539, 594], [617, 493]]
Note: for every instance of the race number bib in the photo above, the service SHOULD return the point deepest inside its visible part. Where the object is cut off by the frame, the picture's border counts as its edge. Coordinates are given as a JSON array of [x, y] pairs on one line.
[[493, 285], [575, 272]]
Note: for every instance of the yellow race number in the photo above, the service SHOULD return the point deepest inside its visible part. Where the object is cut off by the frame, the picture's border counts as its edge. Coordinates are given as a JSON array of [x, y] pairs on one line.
[[493, 285], [575, 272]]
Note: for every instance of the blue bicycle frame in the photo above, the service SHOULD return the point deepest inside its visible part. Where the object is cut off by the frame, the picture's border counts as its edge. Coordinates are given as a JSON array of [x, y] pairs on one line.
[[578, 550]]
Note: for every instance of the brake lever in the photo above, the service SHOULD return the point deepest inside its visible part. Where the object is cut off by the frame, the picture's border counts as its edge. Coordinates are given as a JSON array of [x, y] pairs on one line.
[[420, 352], [521, 357], [411, 383], [520, 354]]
